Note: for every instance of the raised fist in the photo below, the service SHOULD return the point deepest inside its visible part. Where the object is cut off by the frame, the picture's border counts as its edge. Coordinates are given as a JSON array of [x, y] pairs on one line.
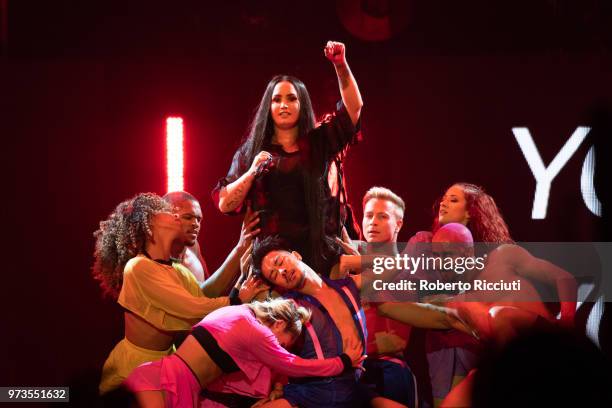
[[335, 52]]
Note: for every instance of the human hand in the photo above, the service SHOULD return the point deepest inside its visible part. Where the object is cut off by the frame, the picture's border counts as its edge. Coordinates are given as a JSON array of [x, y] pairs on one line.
[[275, 394], [261, 163], [335, 52], [250, 288], [347, 244], [456, 322], [476, 316], [246, 261], [249, 230], [354, 349]]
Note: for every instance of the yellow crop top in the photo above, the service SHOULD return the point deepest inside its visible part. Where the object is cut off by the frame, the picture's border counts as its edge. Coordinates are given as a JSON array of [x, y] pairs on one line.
[[168, 297]]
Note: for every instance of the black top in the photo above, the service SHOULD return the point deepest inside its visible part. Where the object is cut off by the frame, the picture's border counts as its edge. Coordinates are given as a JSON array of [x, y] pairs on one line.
[[221, 358], [283, 194]]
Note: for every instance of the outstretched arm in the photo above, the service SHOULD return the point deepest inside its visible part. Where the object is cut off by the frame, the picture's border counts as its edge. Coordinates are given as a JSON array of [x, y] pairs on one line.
[[423, 315], [265, 348], [219, 282], [336, 53]]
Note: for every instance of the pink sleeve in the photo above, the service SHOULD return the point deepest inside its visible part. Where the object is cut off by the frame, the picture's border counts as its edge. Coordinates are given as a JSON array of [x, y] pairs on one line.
[[265, 348]]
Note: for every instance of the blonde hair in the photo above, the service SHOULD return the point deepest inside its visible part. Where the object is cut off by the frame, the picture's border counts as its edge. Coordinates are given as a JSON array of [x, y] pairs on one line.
[[273, 310], [386, 194]]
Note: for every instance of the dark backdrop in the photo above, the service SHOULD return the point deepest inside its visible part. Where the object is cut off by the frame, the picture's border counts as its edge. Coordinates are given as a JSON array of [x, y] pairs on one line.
[[85, 88]]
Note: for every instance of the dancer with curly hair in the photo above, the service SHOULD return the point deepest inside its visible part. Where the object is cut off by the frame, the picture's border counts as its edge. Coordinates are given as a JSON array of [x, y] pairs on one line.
[[132, 263]]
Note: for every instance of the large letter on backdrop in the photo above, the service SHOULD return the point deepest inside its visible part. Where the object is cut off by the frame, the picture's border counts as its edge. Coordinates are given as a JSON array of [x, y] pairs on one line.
[[545, 175]]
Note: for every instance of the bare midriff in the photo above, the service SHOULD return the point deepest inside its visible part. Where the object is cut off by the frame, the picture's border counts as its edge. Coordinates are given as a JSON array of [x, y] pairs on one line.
[[205, 369], [143, 334]]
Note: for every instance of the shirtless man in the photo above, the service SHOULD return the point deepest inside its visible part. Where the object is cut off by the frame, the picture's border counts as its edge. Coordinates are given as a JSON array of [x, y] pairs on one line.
[[187, 250], [337, 320]]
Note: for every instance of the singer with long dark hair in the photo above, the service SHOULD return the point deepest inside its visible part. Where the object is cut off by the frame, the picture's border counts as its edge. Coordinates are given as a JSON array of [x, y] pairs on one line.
[[290, 170]]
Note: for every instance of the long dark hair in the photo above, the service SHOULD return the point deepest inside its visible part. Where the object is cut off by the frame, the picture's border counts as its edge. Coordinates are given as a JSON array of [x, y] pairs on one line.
[[486, 221], [262, 124], [260, 133]]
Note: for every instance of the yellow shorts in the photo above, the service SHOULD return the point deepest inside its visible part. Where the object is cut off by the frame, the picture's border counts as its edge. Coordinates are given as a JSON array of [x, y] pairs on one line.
[[124, 358]]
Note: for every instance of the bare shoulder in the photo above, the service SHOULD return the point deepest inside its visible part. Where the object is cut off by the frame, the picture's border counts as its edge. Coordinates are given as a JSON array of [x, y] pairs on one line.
[[194, 264], [508, 253], [195, 248]]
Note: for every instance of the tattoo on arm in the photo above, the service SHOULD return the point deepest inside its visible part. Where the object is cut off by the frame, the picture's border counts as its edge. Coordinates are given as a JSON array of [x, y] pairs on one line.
[[344, 75], [235, 197]]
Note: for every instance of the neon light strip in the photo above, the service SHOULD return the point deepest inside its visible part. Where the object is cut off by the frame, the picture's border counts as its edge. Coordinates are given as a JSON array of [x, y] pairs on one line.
[[175, 154]]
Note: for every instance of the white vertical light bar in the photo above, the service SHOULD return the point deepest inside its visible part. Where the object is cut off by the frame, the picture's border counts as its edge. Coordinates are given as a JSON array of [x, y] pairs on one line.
[[175, 154], [587, 185]]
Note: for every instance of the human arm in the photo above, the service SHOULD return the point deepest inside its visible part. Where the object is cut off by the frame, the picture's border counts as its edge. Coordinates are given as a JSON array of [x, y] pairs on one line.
[[232, 195], [149, 287], [423, 315], [265, 347], [351, 97], [147, 282], [357, 264], [528, 266], [346, 265], [221, 280], [499, 323], [351, 260], [349, 246]]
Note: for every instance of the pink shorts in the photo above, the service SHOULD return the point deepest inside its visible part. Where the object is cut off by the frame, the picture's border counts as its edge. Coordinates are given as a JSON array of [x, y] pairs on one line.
[[171, 375]]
